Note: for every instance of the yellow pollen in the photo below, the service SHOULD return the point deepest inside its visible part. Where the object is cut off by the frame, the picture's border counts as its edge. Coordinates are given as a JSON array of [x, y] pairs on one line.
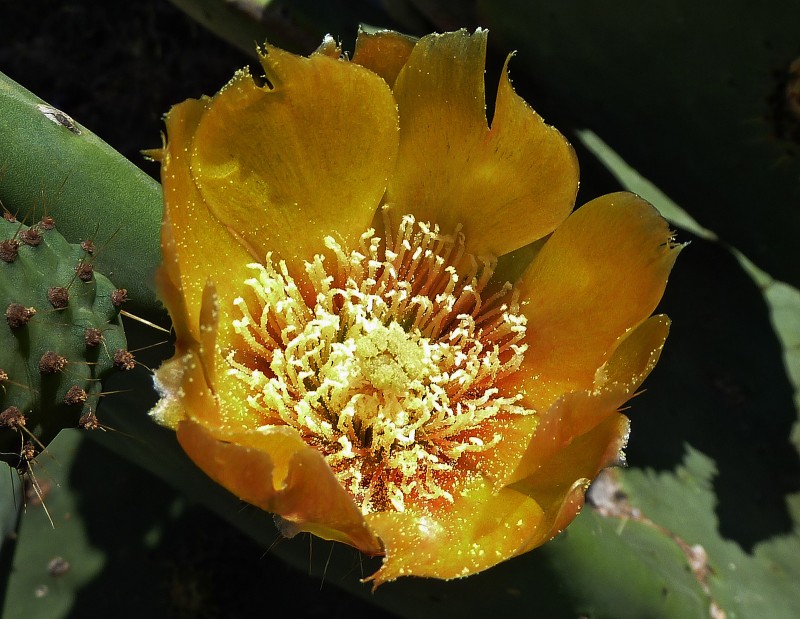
[[392, 370]]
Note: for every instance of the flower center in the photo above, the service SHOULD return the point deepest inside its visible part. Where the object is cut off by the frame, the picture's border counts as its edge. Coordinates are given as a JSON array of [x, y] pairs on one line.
[[393, 369]]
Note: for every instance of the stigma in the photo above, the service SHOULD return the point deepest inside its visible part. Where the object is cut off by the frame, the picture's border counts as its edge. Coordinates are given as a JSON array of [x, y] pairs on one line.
[[391, 359]]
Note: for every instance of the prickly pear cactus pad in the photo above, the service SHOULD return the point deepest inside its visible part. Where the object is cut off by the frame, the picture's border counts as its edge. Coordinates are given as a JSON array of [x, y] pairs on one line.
[[61, 336]]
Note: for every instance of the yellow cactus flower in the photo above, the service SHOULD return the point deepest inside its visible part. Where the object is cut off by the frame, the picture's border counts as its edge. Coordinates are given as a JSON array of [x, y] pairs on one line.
[[350, 356]]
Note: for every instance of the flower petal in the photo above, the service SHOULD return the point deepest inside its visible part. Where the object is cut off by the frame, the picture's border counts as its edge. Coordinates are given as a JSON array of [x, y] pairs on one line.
[[499, 463], [483, 528], [272, 468], [602, 272], [383, 52], [170, 409], [304, 157], [452, 169], [635, 355], [274, 169], [480, 529], [560, 484], [194, 243], [195, 385], [579, 413]]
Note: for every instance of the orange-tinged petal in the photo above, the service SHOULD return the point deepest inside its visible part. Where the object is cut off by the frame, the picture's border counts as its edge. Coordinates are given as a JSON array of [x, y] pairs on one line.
[[574, 415], [484, 528], [634, 356], [562, 513], [275, 470], [581, 458], [284, 166], [383, 52], [578, 413], [229, 407], [189, 383], [528, 440], [184, 392], [602, 272], [560, 483], [329, 47], [480, 529], [508, 185], [498, 465], [195, 245], [168, 284]]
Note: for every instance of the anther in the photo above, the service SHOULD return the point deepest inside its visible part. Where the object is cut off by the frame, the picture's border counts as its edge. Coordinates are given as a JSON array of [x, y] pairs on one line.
[[391, 374]]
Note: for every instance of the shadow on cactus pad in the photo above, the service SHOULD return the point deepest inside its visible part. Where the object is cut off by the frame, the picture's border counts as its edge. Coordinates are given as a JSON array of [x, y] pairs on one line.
[[722, 388]]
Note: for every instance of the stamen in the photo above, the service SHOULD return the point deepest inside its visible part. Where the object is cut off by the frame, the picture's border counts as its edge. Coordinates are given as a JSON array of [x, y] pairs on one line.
[[392, 373]]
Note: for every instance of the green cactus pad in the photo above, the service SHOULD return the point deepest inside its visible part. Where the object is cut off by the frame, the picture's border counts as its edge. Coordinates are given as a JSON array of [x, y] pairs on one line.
[[61, 333], [50, 162]]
